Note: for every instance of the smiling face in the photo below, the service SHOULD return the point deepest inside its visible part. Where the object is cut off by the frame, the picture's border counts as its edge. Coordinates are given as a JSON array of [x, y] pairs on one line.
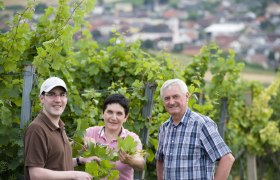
[[175, 102], [114, 117], [54, 103]]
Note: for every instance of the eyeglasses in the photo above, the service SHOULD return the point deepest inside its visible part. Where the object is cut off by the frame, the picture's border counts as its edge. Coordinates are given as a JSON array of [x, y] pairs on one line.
[[54, 95]]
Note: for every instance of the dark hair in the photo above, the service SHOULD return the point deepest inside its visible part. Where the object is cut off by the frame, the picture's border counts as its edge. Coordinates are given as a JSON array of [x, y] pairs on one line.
[[117, 99]]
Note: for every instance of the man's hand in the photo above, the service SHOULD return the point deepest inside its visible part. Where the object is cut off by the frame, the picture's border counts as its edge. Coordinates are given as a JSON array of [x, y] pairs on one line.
[[85, 160]]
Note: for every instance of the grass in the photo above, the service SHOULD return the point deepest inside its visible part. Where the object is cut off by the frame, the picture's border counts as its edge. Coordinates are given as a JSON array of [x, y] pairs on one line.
[[251, 72], [183, 60], [255, 68]]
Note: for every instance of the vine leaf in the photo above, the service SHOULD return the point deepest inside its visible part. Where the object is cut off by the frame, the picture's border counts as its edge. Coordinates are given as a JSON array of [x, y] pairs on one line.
[[127, 145], [104, 168]]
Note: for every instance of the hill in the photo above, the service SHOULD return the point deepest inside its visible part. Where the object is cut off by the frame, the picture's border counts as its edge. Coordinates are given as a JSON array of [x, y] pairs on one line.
[[181, 60], [24, 2]]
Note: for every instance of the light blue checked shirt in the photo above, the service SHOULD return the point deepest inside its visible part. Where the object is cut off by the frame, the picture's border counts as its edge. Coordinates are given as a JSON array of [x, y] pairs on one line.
[[190, 149]]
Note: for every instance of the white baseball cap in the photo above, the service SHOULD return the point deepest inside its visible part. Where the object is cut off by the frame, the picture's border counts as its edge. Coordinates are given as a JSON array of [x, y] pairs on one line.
[[51, 83]]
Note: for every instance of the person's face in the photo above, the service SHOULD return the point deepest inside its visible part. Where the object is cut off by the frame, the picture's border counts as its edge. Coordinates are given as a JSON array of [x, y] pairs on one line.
[[54, 102], [114, 117], [175, 102]]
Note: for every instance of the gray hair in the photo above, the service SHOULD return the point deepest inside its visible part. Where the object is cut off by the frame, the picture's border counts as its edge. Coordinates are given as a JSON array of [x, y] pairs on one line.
[[182, 85]]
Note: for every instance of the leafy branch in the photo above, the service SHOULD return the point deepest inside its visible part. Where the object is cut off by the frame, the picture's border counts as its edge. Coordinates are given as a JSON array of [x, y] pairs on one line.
[[104, 168]]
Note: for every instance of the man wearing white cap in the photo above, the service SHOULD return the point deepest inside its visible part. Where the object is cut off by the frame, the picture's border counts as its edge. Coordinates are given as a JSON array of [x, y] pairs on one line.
[[47, 151]]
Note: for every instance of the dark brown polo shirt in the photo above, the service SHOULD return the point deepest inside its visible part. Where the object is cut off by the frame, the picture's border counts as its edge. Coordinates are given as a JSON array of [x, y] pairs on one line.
[[46, 146]]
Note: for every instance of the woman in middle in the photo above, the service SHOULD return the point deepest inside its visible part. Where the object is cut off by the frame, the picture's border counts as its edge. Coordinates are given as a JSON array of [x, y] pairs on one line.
[[115, 113]]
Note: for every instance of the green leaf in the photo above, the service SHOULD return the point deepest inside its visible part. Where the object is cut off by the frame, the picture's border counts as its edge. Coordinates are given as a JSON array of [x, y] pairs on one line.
[[92, 168], [5, 115], [127, 145], [114, 174]]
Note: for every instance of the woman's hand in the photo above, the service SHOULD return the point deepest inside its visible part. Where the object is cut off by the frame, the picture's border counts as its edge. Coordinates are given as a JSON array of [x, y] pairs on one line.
[[125, 158], [135, 161]]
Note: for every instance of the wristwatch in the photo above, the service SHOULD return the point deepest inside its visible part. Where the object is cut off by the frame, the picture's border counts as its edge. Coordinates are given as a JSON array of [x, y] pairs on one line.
[[78, 161]]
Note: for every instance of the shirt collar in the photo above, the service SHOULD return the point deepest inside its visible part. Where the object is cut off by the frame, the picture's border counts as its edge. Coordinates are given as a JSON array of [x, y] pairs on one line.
[[48, 122], [123, 133], [184, 119], [186, 116]]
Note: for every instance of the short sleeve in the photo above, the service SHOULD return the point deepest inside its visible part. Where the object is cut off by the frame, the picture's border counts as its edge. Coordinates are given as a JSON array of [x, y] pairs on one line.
[[212, 141], [35, 146], [159, 152], [137, 139], [91, 133]]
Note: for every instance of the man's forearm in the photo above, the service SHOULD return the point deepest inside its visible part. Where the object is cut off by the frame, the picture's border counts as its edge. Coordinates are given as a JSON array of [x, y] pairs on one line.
[[159, 170], [38, 173], [224, 167]]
